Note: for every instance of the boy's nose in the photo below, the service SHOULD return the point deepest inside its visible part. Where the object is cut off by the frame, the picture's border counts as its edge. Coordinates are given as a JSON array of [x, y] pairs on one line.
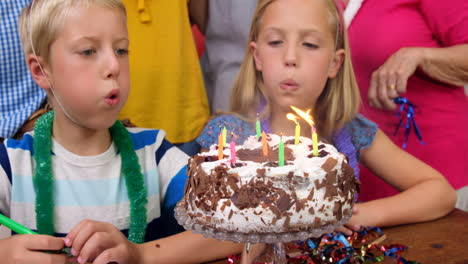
[[112, 69]]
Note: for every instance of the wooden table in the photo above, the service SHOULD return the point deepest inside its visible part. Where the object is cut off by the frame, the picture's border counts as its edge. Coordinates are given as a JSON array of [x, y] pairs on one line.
[[443, 241]]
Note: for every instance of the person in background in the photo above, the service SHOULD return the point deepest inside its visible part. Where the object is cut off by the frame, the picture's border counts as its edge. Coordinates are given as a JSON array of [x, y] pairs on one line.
[[298, 55], [225, 24], [166, 79], [417, 49], [20, 97]]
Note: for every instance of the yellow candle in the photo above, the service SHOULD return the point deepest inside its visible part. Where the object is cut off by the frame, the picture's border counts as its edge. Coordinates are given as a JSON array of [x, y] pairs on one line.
[[315, 143], [298, 133], [224, 131], [220, 147], [298, 127], [264, 144]]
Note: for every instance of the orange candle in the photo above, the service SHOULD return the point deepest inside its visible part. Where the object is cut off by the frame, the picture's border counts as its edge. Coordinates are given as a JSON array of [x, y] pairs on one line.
[[264, 144], [220, 146]]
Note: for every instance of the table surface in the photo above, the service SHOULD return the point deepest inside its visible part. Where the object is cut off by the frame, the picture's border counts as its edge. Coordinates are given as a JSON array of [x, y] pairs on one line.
[[444, 240]]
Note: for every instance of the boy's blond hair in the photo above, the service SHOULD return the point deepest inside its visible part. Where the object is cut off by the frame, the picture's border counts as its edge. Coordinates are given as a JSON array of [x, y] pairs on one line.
[[38, 27], [339, 101]]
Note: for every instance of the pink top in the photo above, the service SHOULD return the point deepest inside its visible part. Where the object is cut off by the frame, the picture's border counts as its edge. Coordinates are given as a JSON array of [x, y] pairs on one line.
[[379, 29]]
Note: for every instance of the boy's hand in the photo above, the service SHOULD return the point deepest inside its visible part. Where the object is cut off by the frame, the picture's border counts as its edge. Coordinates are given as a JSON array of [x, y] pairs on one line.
[[352, 225], [99, 242], [28, 249]]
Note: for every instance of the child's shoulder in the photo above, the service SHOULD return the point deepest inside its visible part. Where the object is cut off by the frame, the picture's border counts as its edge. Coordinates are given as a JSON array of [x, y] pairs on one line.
[[143, 137], [25, 143], [232, 123], [362, 131]]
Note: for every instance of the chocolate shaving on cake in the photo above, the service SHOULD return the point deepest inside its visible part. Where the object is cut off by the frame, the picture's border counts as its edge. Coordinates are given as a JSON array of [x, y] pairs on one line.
[[284, 202], [255, 155], [311, 210], [329, 164], [311, 194], [287, 222], [230, 214], [261, 172], [337, 212], [330, 187]]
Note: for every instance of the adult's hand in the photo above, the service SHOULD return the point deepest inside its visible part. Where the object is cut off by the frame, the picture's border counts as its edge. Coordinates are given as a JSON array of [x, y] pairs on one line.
[[390, 79]]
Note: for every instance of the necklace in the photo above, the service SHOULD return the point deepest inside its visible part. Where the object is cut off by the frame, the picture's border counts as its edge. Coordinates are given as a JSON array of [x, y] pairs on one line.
[[43, 178]]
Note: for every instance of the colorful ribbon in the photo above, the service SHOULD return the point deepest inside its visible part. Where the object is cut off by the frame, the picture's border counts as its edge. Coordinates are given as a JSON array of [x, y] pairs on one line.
[[406, 115]]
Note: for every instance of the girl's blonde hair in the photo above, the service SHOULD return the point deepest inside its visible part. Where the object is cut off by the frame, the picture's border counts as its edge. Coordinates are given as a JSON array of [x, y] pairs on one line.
[[339, 101], [41, 20]]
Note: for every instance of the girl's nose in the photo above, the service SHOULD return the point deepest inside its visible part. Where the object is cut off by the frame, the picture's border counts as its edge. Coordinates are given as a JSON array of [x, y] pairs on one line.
[[290, 57]]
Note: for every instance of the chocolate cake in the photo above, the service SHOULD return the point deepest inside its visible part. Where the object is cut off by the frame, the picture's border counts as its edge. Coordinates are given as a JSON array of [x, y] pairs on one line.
[[253, 194]]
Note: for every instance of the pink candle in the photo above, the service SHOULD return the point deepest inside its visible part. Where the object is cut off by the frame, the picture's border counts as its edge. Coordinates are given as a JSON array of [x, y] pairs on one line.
[[233, 150]]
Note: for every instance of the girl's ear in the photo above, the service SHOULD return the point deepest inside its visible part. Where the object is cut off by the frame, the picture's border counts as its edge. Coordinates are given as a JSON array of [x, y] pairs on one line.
[[39, 71], [336, 63], [254, 50]]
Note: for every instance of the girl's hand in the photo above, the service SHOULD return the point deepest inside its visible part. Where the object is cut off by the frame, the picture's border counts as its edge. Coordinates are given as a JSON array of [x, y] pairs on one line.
[[100, 243], [390, 79], [25, 249], [352, 225]]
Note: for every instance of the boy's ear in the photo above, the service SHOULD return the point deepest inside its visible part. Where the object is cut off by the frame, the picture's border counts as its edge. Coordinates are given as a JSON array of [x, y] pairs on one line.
[[38, 70], [254, 50], [336, 63]]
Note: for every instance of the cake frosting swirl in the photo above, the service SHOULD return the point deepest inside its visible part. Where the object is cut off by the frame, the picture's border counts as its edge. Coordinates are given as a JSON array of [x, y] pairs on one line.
[[255, 195]]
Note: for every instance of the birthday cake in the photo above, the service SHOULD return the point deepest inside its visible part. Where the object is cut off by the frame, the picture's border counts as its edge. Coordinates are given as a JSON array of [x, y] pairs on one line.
[[256, 193]]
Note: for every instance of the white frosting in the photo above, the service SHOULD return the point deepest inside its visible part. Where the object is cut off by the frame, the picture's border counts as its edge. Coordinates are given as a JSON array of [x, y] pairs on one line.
[[307, 170]]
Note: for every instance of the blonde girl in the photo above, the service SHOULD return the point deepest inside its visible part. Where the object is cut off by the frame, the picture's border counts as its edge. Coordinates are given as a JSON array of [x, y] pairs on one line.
[[298, 54]]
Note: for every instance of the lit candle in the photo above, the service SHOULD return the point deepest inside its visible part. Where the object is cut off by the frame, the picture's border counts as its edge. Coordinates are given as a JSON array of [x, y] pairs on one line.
[[306, 116], [233, 149], [298, 127], [281, 152], [258, 128], [220, 146], [264, 144], [224, 131], [314, 142]]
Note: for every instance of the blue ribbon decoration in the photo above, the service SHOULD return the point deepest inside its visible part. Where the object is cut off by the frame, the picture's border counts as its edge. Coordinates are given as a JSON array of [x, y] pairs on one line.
[[406, 111]]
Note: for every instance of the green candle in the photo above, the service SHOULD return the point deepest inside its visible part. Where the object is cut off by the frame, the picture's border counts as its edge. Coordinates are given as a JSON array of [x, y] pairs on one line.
[[258, 128], [281, 153], [16, 227]]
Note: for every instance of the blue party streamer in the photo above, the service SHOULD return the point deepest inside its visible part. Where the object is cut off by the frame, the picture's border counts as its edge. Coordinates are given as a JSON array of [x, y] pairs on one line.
[[406, 113]]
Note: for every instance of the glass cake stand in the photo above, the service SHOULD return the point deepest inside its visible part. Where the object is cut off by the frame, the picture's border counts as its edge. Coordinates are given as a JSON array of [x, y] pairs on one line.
[[275, 240]]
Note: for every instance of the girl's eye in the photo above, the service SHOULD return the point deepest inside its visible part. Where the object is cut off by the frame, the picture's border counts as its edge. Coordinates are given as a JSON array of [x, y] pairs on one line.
[[310, 45], [122, 51], [88, 52], [275, 42]]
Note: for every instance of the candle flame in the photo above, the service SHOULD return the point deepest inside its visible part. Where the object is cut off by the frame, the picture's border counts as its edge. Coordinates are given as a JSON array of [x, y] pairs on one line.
[[292, 117], [304, 115]]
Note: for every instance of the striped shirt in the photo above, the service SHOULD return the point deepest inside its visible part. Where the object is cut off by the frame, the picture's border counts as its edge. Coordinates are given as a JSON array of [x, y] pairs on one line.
[[19, 95], [92, 187]]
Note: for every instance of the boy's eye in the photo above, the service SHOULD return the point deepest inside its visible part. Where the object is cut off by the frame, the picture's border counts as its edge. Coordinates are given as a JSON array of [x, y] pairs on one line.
[[310, 45], [88, 52], [275, 42], [122, 51]]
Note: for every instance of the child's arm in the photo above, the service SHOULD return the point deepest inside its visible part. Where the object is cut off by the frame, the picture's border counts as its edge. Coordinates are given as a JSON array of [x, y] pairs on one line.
[[187, 247], [101, 243], [198, 10], [26, 249], [425, 193]]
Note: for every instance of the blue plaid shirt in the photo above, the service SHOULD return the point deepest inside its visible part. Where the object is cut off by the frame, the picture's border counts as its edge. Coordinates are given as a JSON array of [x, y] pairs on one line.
[[19, 95]]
